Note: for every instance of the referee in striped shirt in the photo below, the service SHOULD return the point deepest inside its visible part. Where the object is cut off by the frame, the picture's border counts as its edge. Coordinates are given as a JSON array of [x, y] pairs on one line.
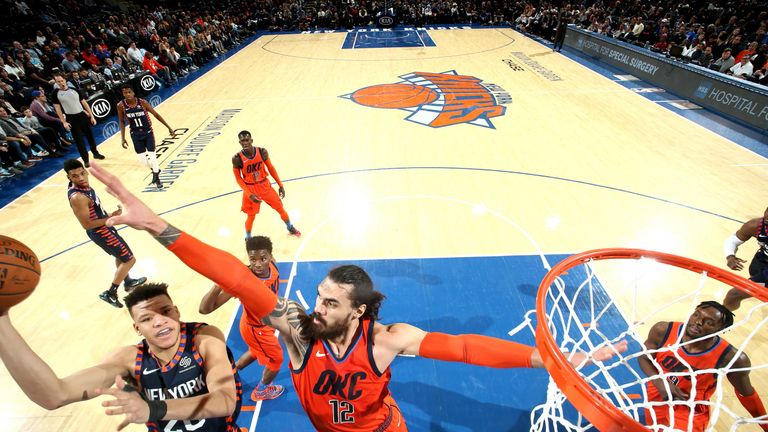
[[75, 115]]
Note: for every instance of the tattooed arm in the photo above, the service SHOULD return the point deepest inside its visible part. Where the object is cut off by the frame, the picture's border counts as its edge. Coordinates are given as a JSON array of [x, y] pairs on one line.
[[288, 317]]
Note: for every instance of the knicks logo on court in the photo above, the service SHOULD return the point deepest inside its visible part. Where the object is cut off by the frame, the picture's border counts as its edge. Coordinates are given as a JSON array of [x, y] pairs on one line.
[[438, 99]]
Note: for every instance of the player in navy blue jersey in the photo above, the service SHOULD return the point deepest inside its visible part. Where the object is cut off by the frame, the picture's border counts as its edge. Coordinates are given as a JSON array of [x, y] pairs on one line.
[[92, 216], [758, 268], [135, 112], [181, 377]]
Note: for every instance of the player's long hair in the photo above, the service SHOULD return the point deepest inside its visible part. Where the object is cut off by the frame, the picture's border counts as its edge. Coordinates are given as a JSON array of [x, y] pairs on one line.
[[363, 292]]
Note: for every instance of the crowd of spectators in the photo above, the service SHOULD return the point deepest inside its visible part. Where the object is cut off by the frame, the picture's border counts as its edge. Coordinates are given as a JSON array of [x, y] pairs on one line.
[[730, 37], [97, 45]]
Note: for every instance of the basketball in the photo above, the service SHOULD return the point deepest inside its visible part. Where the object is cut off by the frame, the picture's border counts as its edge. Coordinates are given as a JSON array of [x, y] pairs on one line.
[[395, 96], [19, 272]]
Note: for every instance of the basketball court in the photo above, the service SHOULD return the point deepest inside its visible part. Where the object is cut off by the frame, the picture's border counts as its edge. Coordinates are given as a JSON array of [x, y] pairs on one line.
[[457, 199]]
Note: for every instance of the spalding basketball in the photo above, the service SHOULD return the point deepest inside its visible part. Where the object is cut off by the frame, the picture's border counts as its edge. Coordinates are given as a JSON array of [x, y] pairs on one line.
[[19, 272]]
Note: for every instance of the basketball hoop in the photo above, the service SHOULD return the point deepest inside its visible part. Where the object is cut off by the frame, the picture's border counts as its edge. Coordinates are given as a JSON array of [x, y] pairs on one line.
[[568, 319]]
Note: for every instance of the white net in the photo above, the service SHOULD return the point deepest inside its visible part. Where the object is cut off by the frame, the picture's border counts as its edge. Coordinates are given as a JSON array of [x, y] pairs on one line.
[[600, 302]]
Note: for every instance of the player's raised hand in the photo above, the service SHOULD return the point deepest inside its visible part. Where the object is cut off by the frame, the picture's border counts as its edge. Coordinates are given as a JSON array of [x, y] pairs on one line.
[[580, 359], [735, 263], [127, 401], [135, 213]]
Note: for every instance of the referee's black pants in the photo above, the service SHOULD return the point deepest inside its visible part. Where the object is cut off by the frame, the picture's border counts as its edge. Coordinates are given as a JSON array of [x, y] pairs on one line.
[[81, 127]]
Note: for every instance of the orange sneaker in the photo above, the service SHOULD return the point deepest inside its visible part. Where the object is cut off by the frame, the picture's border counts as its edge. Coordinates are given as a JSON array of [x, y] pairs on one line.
[[267, 393]]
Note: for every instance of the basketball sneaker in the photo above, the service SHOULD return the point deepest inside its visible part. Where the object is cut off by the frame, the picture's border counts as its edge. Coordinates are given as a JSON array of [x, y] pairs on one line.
[[130, 284], [111, 298], [267, 393], [156, 179], [294, 232]]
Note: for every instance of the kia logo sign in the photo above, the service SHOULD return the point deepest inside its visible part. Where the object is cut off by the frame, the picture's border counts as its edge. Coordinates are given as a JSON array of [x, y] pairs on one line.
[[101, 108], [386, 20], [147, 83], [155, 101], [109, 129]]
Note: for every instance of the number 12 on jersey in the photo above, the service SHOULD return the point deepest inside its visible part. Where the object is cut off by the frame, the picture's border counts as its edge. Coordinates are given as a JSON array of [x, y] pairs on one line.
[[342, 411]]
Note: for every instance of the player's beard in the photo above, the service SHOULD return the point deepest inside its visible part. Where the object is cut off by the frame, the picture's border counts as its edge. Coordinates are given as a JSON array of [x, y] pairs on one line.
[[311, 330]]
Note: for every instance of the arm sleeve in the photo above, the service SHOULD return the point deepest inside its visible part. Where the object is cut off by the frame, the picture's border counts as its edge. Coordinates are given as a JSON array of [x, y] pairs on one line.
[[731, 245], [239, 180], [227, 272], [753, 405], [477, 350], [273, 172]]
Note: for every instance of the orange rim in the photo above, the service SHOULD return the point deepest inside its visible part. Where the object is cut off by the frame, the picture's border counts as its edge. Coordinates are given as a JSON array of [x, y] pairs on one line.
[[595, 408]]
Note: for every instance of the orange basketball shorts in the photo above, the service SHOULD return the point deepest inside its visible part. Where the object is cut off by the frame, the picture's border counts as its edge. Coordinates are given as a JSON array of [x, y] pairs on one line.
[[263, 345], [700, 420], [397, 424], [263, 191]]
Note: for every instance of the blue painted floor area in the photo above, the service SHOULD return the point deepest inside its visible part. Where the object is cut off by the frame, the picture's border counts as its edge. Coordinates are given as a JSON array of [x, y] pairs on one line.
[[388, 38], [482, 295]]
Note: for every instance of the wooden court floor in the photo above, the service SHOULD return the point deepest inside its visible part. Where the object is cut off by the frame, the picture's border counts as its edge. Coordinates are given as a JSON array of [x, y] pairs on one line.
[[572, 164]]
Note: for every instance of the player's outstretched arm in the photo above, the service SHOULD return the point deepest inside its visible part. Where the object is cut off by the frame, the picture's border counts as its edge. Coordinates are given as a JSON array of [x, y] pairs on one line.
[[220, 401], [41, 384], [476, 349], [215, 264]]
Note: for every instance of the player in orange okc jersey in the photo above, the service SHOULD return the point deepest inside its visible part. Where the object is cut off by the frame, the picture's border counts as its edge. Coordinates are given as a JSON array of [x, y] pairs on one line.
[[701, 353], [339, 354], [261, 340], [250, 167]]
